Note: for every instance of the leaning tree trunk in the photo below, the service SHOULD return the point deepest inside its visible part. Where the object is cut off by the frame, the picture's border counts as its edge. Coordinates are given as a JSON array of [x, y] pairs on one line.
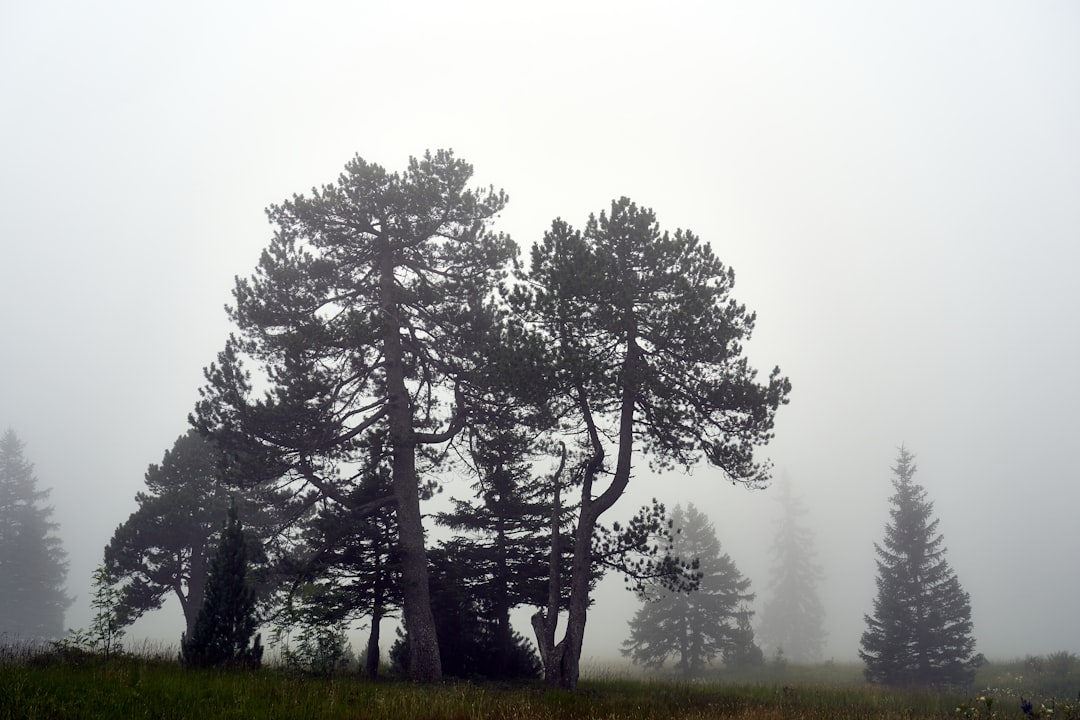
[[591, 509], [569, 662]]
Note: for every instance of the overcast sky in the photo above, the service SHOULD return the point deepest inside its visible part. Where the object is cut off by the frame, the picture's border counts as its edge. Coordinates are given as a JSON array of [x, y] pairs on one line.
[[896, 184]]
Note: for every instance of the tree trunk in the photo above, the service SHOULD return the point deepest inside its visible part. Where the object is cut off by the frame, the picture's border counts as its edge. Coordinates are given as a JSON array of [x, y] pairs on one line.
[[544, 624], [591, 509], [196, 588], [371, 659], [504, 637], [424, 665], [569, 666]]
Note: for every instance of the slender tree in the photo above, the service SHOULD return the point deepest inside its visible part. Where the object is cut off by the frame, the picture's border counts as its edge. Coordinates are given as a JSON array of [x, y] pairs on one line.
[[920, 632], [363, 316], [33, 564], [696, 627], [792, 621], [648, 349], [227, 620]]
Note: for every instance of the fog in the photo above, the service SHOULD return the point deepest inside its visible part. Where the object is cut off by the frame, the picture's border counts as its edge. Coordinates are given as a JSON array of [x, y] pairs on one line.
[[895, 184]]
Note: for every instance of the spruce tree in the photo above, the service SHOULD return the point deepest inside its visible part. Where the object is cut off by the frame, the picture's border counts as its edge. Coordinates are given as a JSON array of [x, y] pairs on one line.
[[33, 565], [920, 632], [227, 620], [699, 626], [792, 620]]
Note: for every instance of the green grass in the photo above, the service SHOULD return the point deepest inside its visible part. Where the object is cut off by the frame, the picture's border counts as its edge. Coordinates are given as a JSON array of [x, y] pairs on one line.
[[52, 685]]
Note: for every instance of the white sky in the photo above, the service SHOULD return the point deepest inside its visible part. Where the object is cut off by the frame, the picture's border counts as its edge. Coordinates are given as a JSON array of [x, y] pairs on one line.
[[895, 183]]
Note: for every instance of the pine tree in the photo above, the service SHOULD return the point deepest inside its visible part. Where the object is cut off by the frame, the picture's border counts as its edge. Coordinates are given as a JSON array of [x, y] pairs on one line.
[[227, 620], [347, 565], [502, 540], [33, 565], [792, 620], [695, 627], [920, 632], [166, 546]]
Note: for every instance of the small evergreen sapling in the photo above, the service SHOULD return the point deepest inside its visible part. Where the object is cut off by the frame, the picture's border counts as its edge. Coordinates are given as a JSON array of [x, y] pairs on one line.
[[227, 620]]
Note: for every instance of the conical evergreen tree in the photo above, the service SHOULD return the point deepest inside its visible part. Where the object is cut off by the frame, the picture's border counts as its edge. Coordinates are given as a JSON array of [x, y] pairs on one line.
[[227, 620], [792, 620], [33, 565], [920, 632], [695, 627]]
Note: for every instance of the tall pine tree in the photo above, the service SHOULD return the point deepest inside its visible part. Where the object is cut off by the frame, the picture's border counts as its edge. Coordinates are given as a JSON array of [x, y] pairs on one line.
[[920, 632], [792, 620], [227, 620], [33, 565]]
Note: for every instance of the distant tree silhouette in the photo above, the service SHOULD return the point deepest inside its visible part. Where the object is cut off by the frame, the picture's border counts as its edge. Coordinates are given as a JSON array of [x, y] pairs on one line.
[[227, 621], [696, 627], [33, 565], [920, 632], [792, 620]]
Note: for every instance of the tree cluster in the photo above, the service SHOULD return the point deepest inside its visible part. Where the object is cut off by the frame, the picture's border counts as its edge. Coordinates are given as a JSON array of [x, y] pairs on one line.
[[389, 335]]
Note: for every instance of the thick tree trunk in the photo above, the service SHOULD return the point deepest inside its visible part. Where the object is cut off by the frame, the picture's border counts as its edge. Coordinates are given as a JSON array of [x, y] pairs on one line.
[[425, 665]]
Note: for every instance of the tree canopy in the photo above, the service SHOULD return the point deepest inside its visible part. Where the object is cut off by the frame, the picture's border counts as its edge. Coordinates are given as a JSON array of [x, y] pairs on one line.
[[382, 307], [647, 346], [166, 545], [920, 631], [363, 316], [33, 564]]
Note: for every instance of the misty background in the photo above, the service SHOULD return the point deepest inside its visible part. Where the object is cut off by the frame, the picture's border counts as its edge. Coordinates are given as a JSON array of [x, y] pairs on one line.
[[896, 185]]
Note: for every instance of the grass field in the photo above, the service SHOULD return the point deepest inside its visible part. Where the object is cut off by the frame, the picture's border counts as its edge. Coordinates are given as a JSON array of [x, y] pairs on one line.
[[51, 685]]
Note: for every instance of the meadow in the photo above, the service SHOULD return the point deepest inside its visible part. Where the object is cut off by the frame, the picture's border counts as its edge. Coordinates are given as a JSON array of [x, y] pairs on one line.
[[56, 683]]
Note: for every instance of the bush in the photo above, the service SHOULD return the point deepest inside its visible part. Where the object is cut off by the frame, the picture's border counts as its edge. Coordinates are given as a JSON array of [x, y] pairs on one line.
[[321, 650]]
